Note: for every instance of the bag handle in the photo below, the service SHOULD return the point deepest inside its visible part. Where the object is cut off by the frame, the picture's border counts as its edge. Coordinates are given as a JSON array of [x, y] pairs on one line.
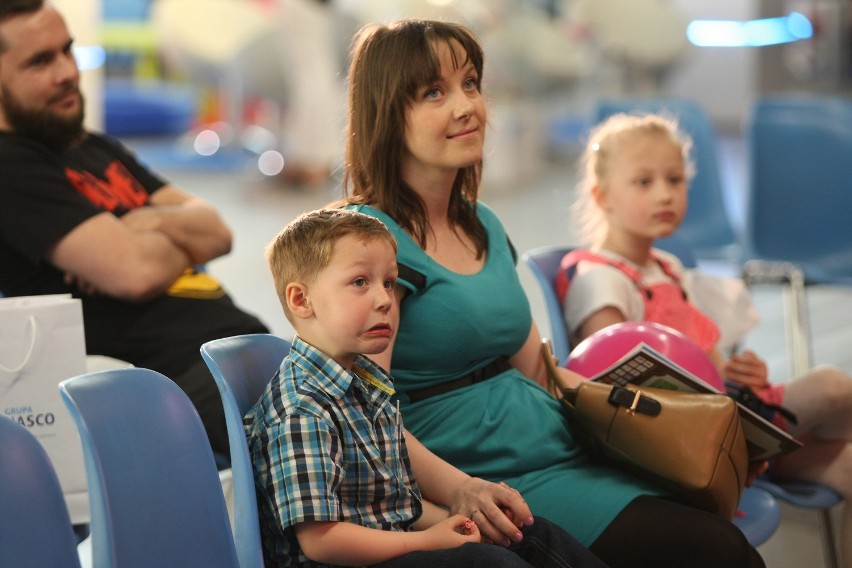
[[554, 385], [5, 369]]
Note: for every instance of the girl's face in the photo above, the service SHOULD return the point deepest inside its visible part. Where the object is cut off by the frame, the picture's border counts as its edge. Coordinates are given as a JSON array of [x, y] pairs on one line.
[[643, 192], [445, 124]]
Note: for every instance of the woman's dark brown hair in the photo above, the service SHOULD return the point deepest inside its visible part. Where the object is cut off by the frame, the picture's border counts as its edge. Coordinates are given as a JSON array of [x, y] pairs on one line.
[[389, 64]]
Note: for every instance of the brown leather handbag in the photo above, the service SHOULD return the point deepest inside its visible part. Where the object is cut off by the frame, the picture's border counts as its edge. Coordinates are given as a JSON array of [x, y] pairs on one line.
[[689, 443]]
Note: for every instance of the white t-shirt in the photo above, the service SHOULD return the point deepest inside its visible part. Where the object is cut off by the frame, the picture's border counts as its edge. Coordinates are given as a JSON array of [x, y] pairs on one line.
[[596, 286]]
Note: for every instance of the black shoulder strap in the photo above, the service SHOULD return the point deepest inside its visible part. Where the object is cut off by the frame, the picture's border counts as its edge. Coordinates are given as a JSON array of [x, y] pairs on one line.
[[512, 250], [414, 277]]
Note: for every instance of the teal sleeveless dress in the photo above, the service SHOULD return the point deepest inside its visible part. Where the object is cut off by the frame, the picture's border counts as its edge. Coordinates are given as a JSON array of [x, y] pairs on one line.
[[507, 428]]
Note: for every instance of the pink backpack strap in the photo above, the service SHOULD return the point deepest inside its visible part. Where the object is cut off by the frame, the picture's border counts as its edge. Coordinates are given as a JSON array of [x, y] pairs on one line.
[[568, 268], [666, 268]]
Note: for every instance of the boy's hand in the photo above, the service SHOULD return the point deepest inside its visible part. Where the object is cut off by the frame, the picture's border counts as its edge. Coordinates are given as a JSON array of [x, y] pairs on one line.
[[497, 509], [748, 369], [451, 532]]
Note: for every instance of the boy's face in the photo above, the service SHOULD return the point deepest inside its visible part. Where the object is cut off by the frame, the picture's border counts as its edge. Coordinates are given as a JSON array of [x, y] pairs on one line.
[[352, 300]]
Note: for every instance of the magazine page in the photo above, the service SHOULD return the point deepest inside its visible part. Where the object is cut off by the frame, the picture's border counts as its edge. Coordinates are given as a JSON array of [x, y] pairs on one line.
[[643, 366]]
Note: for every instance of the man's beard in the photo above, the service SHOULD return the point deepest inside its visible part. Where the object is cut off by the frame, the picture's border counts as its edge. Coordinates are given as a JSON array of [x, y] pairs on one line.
[[56, 132]]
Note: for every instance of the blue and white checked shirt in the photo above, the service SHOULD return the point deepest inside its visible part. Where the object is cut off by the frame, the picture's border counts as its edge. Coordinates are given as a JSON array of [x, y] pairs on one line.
[[327, 445]]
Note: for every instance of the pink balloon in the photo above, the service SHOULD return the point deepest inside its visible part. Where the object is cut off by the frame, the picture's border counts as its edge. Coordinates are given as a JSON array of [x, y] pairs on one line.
[[600, 350]]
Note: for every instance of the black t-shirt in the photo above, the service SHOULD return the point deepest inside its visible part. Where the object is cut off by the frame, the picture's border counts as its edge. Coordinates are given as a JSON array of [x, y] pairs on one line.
[[44, 195]]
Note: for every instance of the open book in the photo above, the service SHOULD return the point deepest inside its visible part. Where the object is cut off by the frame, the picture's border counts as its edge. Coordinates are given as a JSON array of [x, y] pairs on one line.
[[643, 366]]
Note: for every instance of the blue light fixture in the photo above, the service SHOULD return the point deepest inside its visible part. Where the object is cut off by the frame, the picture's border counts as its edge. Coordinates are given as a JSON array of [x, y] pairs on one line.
[[749, 33], [89, 56]]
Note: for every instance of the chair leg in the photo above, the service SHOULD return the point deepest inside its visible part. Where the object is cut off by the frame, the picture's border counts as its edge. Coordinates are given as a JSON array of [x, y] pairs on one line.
[[827, 532], [796, 314], [796, 330]]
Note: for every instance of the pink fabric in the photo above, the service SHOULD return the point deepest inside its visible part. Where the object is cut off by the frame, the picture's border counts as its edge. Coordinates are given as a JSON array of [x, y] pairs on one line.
[[665, 303], [774, 394]]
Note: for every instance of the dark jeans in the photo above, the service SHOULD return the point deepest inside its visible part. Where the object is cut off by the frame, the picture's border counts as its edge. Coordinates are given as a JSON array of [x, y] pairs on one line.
[[545, 545]]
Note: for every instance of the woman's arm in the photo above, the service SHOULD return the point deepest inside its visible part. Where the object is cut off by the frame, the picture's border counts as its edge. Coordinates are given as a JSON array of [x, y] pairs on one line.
[[348, 544], [484, 502], [528, 360]]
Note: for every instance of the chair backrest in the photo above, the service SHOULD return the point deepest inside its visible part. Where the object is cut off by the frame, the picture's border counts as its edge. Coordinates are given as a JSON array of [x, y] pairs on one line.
[[242, 366], [544, 262], [706, 228], [35, 527], [800, 170], [155, 494]]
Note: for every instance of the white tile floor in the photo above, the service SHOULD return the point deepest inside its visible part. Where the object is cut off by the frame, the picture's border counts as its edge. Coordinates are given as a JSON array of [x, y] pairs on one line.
[[536, 212]]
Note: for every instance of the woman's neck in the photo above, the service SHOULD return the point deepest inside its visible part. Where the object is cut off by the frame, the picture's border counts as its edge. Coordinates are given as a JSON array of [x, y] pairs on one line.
[[435, 194]]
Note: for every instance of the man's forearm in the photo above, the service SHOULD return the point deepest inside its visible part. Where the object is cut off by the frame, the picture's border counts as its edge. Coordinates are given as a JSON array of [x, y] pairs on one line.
[[195, 228]]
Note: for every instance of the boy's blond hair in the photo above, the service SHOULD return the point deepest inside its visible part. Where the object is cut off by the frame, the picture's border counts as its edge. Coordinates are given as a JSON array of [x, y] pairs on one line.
[[595, 162], [303, 248]]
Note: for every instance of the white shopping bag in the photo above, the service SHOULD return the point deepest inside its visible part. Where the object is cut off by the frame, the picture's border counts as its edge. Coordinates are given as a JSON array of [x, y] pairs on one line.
[[41, 344]]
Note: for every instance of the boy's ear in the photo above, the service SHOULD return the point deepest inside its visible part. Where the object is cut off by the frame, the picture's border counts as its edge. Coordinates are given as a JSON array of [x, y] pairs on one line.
[[298, 303]]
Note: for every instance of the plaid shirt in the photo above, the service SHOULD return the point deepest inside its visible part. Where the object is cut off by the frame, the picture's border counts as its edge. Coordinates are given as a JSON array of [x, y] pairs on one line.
[[327, 445]]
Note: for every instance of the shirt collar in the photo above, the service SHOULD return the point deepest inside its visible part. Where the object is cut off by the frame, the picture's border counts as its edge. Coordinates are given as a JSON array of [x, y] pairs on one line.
[[330, 376]]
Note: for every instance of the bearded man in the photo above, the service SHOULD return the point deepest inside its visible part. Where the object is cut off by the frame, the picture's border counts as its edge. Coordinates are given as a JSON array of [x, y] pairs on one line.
[[81, 215]]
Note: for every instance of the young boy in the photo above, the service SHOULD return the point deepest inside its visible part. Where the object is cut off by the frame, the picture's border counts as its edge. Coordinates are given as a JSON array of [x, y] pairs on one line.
[[333, 466]]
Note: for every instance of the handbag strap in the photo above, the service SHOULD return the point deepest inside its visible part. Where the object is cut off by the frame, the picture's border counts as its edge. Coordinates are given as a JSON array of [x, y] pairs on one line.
[[634, 401], [5, 369]]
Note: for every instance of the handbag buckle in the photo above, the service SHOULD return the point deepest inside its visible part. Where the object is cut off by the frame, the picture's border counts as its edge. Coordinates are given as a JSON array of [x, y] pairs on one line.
[[632, 410], [634, 401]]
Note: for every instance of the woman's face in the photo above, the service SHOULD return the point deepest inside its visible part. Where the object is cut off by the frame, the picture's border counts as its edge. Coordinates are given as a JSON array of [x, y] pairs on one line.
[[445, 124]]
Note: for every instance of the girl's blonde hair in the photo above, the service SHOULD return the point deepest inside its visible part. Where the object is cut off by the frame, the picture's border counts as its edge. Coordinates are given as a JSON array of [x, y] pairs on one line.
[[596, 161]]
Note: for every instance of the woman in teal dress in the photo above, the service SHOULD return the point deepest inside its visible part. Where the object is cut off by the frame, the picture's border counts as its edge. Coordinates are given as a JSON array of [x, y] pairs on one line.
[[466, 359]]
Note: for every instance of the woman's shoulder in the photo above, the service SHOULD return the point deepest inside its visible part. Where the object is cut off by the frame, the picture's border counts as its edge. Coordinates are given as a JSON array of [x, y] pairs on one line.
[[373, 212], [487, 215]]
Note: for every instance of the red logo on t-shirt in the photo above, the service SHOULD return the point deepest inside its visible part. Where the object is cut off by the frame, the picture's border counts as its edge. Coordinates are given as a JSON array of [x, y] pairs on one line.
[[118, 192]]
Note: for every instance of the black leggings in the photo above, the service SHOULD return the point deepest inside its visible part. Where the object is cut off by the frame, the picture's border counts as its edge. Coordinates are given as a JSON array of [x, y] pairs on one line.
[[652, 531]]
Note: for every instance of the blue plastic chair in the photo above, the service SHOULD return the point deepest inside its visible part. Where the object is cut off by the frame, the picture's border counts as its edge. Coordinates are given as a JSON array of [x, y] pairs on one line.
[[707, 228], [35, 527], [155, 494], [797, 227], [544, 263], [799, 154], [242, 366], [797, 232]]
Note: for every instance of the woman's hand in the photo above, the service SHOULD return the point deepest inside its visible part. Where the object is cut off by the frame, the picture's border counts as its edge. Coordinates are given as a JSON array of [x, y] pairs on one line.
[[497, 509], [748, 369]]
